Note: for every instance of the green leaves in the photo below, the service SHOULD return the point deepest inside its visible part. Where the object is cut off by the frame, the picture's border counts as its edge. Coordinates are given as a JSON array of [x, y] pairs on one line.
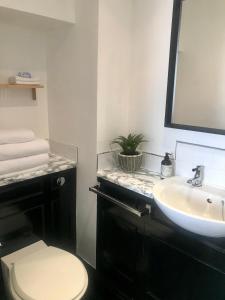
[[130, 143]]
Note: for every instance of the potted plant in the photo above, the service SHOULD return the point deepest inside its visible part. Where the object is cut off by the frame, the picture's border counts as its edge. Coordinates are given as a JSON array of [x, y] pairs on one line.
[[130, 158]]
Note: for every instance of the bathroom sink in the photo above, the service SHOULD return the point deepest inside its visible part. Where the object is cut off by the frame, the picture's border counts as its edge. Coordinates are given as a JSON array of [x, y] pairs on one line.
[[199, 210]]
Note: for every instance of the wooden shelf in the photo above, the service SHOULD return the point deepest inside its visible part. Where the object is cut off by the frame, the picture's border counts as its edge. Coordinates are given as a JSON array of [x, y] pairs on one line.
[[33, 87]]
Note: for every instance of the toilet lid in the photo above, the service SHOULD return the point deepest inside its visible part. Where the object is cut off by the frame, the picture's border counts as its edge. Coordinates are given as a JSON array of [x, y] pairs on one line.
[[49, 273]]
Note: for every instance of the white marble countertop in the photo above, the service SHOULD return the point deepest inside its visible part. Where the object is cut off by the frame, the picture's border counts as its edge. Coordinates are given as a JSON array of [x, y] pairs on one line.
[[56, 163], [141, 182]]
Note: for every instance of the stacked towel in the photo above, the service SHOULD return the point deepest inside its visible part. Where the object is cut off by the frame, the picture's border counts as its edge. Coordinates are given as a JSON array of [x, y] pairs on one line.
[[23, 164], [12, 151], [24, 78], [20, 151], [14, 136]]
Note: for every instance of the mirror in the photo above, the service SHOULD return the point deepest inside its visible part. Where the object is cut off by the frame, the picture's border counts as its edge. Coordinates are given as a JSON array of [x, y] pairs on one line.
[[196, 80]]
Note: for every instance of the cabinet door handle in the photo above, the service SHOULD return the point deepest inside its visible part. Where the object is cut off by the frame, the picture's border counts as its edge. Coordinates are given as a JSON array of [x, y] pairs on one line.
[[61, 181], [140, 213]]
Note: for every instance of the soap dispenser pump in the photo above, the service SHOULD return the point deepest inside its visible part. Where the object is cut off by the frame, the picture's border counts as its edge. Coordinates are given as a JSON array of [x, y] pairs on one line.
[[166, 167]]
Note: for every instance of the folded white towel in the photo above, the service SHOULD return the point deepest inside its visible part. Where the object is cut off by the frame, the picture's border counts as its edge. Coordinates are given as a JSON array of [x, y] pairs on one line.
[[24, 82], [26, 79], [22, 164], [19, 79], [13, 136], [19, 150]]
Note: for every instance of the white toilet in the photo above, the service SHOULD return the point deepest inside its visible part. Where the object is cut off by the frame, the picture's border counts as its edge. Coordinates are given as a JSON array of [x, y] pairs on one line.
[[39, 272]]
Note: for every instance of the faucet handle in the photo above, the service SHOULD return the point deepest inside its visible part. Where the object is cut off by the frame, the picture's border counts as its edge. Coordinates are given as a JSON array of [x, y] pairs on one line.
[[199, 173], [198, 168], [198, 176]]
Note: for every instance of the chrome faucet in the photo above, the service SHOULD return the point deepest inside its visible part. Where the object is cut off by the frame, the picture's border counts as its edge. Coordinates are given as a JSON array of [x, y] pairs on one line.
[[198, 177]]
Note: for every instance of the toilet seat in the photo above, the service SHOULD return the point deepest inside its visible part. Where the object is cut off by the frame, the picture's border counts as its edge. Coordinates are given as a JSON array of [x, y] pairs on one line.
[[49, 273]]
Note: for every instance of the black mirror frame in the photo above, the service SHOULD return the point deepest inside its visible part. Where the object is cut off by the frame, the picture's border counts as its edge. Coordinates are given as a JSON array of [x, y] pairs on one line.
[[177, 11]]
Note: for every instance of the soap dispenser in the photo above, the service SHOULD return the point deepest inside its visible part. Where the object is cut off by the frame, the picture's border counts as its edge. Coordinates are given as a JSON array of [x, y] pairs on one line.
[[166, 167]]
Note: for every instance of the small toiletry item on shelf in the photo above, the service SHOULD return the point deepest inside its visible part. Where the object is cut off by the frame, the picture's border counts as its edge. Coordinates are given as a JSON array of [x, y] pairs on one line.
[[24, 74], [166, 167]]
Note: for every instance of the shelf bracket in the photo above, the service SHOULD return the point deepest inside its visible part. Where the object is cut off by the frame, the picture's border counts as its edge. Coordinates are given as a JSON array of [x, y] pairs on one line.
[[34, 94]]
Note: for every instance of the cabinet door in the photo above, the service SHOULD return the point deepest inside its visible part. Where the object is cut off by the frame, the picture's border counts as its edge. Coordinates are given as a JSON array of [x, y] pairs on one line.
[[172, 275], [21, 223], [119, 247], [63, 210]]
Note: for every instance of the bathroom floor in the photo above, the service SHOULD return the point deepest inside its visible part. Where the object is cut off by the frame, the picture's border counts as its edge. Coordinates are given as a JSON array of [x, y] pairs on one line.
[[2, 294], [93, 292]]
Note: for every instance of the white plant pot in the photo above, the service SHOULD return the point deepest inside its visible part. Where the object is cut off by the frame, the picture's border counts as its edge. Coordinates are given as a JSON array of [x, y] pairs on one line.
[[130, 163]]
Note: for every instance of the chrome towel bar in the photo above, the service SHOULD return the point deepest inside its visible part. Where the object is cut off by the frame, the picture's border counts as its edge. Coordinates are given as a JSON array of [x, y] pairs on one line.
[[140, 213]]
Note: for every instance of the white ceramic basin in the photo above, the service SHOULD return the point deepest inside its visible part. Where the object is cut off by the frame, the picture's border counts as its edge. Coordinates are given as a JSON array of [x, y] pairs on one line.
[[199, 210]]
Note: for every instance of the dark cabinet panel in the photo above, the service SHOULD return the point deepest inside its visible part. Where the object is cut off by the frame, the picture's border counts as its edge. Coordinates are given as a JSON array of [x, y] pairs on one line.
[[26, 216], [42, 208], [119, 250], [24, 190], [62, 211], [172, 275], [21, 221], [149, 258]]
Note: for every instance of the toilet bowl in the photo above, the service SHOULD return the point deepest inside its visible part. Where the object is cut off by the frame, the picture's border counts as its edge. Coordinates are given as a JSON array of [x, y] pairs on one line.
[[41, 272]]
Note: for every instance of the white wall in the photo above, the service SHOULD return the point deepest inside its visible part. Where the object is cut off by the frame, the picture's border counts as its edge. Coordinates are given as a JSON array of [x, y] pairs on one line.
[[56, 9], [72, 86], [132, 68], [23, 49], [151, 56], [114, 69], [152, 26]]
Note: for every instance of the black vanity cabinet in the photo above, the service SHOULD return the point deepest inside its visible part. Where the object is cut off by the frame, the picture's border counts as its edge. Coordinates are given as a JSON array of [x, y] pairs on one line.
[[141, 255], [39, 208]]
